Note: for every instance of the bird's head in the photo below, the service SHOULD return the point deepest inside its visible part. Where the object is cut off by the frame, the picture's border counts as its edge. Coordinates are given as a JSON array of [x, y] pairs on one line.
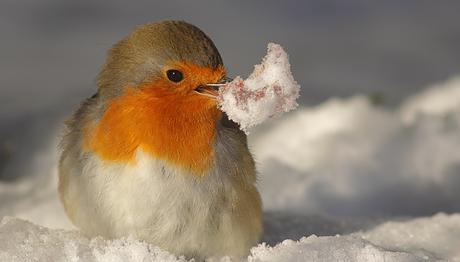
[[156, 92], [172, 60]]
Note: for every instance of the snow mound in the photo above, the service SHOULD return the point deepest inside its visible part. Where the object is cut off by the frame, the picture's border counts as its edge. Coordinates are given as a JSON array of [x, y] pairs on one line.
[[435, 101], [432, 238], [436, 237], [348, 157], [268, 92], [421, 239]]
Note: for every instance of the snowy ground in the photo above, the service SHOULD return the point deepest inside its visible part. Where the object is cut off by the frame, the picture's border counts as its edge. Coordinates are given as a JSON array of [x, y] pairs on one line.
[[422, 239], [374, 175]]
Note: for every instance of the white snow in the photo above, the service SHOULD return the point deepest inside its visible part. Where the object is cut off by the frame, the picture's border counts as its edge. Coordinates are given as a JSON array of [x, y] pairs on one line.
[[435, 238], [373, 175], [268, 92], [23, 241], [436, 101], [347, 157]]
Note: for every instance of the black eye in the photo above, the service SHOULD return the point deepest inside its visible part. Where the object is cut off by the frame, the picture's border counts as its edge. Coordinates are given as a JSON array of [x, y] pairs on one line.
[[174, 75]]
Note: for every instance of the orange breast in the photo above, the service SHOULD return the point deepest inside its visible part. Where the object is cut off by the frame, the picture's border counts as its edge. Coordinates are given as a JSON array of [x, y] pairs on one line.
[[179, 129]]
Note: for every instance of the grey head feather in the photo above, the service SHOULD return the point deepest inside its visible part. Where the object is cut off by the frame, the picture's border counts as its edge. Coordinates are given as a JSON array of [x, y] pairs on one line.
[[142, 54]]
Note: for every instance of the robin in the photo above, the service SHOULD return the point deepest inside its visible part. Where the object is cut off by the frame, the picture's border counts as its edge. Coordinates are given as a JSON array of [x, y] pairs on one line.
[[150, 155]]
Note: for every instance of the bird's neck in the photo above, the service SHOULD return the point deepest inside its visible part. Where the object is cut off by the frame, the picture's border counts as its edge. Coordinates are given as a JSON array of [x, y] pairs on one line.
[[180, 131]]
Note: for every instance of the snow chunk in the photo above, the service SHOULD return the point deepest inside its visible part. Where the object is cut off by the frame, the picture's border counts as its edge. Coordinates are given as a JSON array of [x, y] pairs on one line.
[[268, 92]]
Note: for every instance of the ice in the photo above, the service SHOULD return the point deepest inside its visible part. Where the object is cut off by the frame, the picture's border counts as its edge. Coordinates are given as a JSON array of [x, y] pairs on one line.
[[268, 92]]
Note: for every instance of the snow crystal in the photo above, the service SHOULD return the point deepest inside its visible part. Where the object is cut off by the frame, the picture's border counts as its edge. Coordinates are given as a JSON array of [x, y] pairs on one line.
[[268, 92]]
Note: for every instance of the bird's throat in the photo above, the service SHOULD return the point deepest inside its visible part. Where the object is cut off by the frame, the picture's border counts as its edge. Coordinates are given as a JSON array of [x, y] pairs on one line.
[[179, 131]]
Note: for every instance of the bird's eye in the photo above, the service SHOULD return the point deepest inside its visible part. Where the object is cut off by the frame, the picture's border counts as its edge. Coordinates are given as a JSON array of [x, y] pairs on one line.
[[174, 75]]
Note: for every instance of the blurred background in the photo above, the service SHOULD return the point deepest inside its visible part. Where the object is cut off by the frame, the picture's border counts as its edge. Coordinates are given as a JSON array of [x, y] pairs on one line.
[[377, 133]]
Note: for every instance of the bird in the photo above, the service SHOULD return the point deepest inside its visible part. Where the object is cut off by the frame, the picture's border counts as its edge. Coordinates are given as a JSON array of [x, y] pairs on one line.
[[151, 156]]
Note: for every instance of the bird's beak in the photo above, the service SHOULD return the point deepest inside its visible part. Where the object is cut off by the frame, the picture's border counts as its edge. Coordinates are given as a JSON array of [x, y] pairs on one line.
[[212, 90]]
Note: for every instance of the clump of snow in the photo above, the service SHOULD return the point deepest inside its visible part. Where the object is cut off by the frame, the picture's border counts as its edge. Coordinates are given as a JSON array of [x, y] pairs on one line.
[[431, 238], [268, 92]]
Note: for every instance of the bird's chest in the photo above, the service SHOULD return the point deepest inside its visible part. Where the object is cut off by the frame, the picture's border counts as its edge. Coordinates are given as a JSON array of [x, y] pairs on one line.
[[181, 135], [153, 200]]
